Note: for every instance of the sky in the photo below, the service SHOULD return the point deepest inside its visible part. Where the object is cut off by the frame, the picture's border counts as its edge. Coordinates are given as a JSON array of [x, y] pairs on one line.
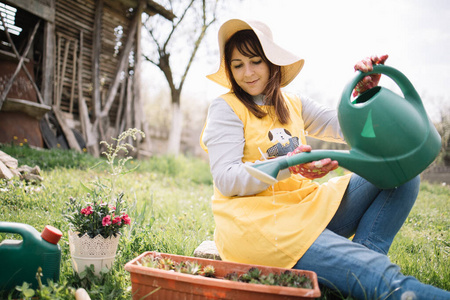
[[333, 35]]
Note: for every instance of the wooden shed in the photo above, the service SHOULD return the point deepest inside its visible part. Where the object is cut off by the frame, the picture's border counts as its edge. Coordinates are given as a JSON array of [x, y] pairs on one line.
[[69, 74]]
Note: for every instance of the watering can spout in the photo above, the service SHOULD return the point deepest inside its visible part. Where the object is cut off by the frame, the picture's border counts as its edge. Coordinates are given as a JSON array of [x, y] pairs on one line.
[[267, 171], [392, 140]]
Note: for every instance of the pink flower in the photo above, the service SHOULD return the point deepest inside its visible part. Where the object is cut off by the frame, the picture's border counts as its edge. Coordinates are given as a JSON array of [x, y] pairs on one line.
[[87, 211], [106, 221], [117, 220], [126, 219]]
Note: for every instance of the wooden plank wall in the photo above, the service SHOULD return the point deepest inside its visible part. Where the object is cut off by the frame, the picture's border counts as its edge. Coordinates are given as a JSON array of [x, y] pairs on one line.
[[109, 58], [71, 17]]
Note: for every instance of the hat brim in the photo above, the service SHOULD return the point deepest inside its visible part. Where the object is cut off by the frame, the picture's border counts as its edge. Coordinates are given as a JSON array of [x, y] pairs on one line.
[[290, 64]]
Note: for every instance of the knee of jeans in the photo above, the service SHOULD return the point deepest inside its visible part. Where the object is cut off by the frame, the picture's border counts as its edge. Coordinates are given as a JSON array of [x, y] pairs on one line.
[[410, 190], [415, 183]]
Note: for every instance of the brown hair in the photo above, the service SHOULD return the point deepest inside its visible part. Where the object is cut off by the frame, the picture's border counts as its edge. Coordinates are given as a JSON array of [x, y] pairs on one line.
[[247, 43]]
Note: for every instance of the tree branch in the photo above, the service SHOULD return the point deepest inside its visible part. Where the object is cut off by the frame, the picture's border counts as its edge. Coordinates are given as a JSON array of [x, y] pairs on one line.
[[198, 41], [175, 25], [191, 59], [150, 60], [150, 31]]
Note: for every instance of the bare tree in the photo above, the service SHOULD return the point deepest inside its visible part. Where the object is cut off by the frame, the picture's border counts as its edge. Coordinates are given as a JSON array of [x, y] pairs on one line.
[[174, 47]]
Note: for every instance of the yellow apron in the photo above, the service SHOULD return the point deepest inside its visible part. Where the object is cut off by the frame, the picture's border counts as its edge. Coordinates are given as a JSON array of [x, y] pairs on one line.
[[278, 225]]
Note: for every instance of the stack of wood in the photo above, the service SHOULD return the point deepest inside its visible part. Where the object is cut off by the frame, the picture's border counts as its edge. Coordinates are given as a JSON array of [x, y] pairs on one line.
[[9, 168]]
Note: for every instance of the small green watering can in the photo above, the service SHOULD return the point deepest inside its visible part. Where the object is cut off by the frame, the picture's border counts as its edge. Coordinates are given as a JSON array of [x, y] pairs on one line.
[[392, 140], [21, 258]]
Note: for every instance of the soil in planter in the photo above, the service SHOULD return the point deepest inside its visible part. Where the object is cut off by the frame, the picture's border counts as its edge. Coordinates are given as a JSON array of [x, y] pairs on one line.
[[254, 275]]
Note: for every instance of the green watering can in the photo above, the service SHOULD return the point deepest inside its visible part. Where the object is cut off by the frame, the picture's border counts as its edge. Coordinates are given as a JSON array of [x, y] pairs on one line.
[[21, 258], [392, 140]]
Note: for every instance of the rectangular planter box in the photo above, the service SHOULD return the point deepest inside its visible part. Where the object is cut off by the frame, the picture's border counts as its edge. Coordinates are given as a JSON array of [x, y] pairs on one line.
[[174, 285]]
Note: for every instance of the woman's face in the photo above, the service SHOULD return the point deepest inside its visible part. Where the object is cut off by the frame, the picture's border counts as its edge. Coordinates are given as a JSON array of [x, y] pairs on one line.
[[250, 73]]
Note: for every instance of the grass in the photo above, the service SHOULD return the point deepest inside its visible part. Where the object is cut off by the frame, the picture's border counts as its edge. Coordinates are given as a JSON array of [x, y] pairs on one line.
[[170, 210], [422, 247]]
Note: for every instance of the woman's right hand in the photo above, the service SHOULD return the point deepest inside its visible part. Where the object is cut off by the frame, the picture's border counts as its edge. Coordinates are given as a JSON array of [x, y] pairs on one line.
[[314, 169], [366, 65]]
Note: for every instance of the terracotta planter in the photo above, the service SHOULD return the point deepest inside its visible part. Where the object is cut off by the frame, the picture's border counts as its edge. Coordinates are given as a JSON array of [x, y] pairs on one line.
[[173, 285], [98, 251]]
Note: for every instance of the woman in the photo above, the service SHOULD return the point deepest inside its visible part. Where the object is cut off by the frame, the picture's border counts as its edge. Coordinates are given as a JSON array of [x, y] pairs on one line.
[[296, 223]]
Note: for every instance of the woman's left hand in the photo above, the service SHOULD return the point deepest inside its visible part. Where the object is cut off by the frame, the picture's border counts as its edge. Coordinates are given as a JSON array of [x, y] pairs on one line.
[[370, 81], [314, 169]]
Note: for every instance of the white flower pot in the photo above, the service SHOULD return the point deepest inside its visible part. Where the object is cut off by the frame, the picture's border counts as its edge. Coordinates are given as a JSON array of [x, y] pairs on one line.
[[98, 251]]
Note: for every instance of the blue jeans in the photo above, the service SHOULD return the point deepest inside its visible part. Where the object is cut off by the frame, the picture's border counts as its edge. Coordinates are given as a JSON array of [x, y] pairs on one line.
[[360, 267]]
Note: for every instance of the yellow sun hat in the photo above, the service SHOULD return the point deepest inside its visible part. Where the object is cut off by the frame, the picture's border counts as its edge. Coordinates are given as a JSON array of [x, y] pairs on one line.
[[290, 63]]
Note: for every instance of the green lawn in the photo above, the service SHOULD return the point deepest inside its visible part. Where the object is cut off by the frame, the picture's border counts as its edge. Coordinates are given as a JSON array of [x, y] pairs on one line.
[[169, 200]]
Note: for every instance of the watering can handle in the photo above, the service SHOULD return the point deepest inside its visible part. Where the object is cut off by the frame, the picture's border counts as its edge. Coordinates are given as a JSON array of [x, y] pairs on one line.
[[26, 231], [408, 90]]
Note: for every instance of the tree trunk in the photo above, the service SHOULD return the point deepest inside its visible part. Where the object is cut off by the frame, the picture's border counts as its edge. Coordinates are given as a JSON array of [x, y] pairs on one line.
[[176, 127]]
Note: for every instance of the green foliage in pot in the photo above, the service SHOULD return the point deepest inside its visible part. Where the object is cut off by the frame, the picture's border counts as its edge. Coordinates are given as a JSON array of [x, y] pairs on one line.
[[286, 278], [254, 275]]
